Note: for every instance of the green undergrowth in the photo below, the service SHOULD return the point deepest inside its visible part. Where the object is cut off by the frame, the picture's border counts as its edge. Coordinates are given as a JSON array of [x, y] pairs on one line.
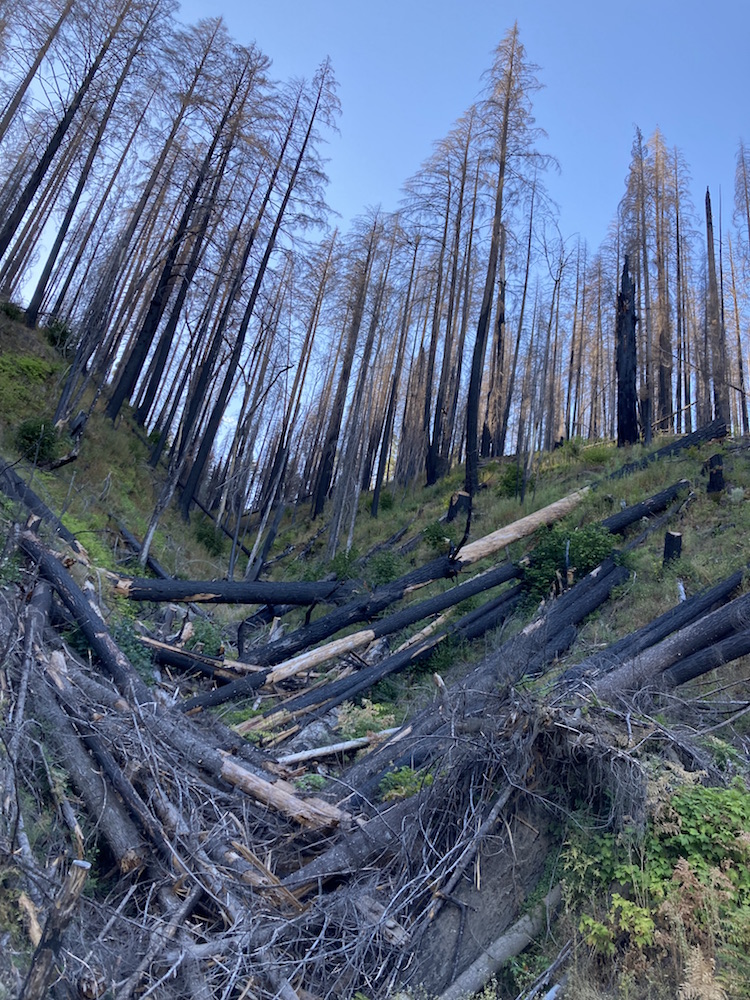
[[680, 888]]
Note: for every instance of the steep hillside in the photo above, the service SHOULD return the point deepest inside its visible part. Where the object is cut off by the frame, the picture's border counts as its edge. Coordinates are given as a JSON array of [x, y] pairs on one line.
[[383, 776]]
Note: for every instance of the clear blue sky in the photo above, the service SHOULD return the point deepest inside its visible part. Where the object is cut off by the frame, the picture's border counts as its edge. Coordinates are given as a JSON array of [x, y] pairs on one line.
[[408, 68]]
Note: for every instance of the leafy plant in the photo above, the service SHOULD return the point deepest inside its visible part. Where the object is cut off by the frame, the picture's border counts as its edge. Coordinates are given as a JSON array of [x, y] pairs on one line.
[[403, 783], [211, 537], [360, 720], [60, 334], [561, 552], [437, 538], [383, 568], [511, 481], [12, 311], [310, 782], [207, 637], [37, 440], [344, 565]]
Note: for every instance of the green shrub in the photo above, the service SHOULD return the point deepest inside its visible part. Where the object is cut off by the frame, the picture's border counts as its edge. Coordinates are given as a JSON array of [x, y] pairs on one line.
[[402, 783], [59, 334], [436, 537], [511, 481], [206, 638], [344, 565], [387, 501], [211, 537], [37, 440], [560, 550], [383, 568], [12, 311]]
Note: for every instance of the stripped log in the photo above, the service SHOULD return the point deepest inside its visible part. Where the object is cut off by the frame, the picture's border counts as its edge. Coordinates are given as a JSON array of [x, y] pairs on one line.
[[328, 696], [63, 907]]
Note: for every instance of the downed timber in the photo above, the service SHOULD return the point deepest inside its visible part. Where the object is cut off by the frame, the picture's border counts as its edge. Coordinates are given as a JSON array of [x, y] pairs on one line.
[[732, 647], [88, 618], [188, 660], [671, 621], [133, 688], [716, 429], [132, 542], [368, 606], [531, 651], [312, 813], [644, 668], [14, 487], [351, 643], [653, 505], [471, 626], [511, 943], [232, 591], [345, 746], [60, 915]]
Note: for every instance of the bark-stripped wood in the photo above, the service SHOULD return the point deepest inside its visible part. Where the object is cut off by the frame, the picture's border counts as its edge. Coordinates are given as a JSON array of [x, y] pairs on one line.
[[59, 917]]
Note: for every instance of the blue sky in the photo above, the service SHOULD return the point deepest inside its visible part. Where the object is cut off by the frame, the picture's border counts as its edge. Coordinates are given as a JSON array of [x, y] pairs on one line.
[[408, 68]]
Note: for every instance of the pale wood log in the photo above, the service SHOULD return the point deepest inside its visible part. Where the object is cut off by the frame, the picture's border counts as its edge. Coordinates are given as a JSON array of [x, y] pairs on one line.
[[279, 795], [346, 745], [497, 540], [59, 917], [511, 943]]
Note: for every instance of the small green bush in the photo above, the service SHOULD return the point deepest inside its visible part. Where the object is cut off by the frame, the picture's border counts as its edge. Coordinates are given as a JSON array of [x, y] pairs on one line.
[[12, 311], [206, 638], [436, 537], [511, 481], [561, 549], [344, 565], [387, 501], [403, 783], [383, 568], [37, 440], [211, 537], [59, 334]]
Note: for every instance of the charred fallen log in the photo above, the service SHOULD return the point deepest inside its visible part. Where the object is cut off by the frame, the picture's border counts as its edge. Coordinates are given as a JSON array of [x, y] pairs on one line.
[[716, 429], [678, 617], [233, 591], [654, 505], [14, 487]]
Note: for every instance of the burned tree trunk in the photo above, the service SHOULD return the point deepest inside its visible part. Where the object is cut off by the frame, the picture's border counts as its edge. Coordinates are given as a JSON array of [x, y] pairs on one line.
[[626, 362]]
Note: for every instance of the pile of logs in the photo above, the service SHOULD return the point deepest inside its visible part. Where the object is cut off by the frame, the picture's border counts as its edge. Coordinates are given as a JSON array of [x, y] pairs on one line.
[[221, 876]]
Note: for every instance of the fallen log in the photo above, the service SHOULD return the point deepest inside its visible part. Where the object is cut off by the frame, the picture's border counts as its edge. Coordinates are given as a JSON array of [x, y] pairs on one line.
[[135, 546], [531, 651], [232, 591], [328, 696], [351, 643], [630, 515], [644, 668], [716, 429], [511, 943], [732, 647], [14, 487], [671, 621], [42, 964], [188, 660]]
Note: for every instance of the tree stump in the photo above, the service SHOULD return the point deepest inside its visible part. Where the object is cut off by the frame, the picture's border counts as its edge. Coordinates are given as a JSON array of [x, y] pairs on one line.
[[715, 474], [672, 546], [460, 503]]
